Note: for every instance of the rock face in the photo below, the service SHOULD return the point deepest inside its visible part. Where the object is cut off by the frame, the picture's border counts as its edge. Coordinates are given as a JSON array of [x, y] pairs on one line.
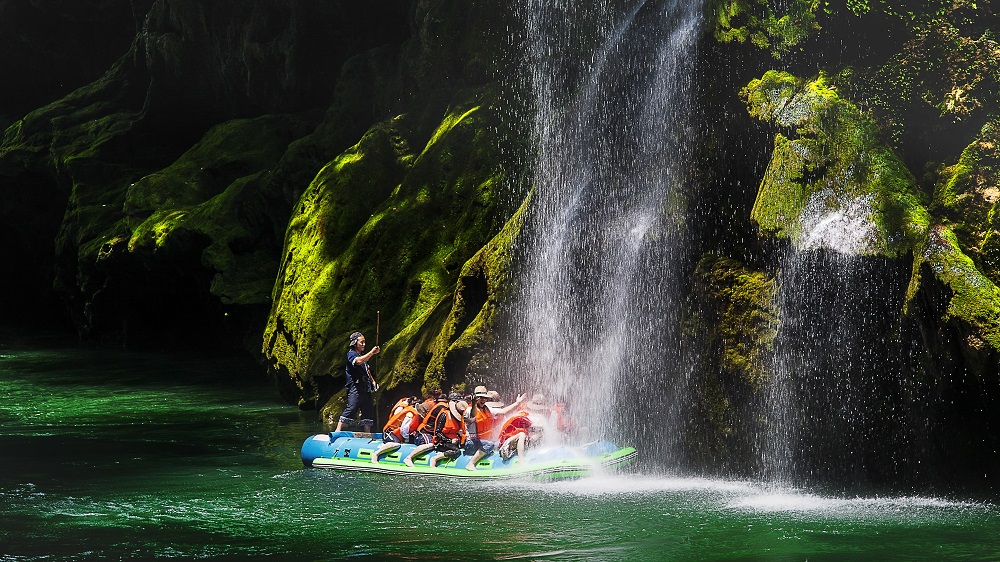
[[164, 185], [269, 172], [838, 161], [834, 161], [870, 148], [955, 271], [733, 316], [390, 236]]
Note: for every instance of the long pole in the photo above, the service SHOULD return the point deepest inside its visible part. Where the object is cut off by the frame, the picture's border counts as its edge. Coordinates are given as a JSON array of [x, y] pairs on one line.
[[378, 321]]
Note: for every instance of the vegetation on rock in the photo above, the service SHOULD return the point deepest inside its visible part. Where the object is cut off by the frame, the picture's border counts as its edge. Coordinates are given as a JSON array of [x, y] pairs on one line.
[[732, 320], [387, 226], [836, 155]]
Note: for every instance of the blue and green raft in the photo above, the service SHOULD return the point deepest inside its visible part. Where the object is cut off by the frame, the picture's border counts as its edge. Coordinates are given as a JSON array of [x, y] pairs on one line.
[[346, 450]]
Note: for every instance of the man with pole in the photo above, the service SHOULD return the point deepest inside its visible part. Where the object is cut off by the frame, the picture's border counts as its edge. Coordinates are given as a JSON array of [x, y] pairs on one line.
[[360, 384]]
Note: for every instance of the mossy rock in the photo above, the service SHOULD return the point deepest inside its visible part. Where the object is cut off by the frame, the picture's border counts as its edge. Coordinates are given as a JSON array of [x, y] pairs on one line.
[[387, 227], [833, 168], [731, 322], [212, 201], [947, 285], [968, 197], [738, 312], [464, 344]]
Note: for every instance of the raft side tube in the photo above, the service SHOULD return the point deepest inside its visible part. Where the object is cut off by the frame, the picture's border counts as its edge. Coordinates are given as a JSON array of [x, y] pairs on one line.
[[328, 445]]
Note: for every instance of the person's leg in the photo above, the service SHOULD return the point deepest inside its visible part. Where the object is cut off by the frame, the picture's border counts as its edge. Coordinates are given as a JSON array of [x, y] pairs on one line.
[[445, 450], [352, 407], [385, 448], [508, 449], [475, 458], [486, 449], [367, 406], [416, 452], [477, 448], [520, 443]]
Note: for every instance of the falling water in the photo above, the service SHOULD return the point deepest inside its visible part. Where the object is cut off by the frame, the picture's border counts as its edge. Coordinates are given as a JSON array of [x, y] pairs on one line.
[[835, 395], [613, 90]]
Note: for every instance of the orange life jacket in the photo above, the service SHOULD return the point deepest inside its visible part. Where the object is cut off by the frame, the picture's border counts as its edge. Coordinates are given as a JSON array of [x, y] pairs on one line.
[[427, 424], [453, 428], [485, 423], [401, 403], [395, 423], [564, 423], [518, 423]]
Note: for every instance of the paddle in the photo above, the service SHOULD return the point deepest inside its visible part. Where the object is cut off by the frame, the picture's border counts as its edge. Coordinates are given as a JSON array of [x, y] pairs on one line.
[[378, 318]]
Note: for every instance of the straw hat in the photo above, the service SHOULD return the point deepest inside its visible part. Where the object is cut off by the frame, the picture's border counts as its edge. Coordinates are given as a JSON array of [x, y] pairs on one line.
[[495, 401], [538, 404], [481, 392], [458, 408]]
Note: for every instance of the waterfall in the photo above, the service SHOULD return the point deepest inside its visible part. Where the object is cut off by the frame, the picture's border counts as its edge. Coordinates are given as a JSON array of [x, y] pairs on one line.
[[836, 392], [597, 323]]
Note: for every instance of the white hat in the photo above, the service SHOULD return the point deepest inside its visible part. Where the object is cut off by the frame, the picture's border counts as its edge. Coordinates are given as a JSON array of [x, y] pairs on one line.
[[538, 403], [481, 392], [495, 401]]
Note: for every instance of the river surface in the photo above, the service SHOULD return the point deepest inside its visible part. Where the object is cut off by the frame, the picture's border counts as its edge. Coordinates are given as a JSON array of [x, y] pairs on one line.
[[110, 454]]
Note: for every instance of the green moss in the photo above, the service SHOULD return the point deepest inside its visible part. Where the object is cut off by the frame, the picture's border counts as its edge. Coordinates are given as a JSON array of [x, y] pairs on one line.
[[774, 28], [385, 227], [968, 198], [835, 159], [973, 302], [226, 153], [464, 340], [731, 321], [738, 315], [213, 201], [782, 194]]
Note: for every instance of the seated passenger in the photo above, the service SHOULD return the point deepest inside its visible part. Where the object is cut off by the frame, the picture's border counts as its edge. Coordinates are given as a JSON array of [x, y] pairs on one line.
[[539, 410], [402, 403], [516, 435], [424, 439], [401, 428], [480, 428], [449, 432]]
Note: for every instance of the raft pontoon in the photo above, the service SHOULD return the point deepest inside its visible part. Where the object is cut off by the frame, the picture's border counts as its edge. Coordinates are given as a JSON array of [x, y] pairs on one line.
[[346, 450]]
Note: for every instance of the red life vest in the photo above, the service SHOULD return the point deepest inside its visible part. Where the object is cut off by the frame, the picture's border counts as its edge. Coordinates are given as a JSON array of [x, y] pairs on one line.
[[518, 423]]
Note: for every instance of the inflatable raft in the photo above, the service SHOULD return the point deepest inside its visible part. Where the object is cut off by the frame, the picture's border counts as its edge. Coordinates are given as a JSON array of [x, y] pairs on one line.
[[345, 450]]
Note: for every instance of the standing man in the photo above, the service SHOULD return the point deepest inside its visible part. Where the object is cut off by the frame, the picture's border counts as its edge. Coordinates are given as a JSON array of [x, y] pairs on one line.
[[360, 384]]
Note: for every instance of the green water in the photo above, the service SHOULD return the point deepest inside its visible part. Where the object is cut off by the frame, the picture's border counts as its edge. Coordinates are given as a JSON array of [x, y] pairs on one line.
[[117, 455]]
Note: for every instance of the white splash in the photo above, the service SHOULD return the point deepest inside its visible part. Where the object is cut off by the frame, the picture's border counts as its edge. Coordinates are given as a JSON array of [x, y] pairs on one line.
[[843, 225]]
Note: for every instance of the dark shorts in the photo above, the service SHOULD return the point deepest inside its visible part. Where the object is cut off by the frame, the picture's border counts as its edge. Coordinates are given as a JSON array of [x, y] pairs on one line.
[[474, 444], [421, 438], [450, 450]]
